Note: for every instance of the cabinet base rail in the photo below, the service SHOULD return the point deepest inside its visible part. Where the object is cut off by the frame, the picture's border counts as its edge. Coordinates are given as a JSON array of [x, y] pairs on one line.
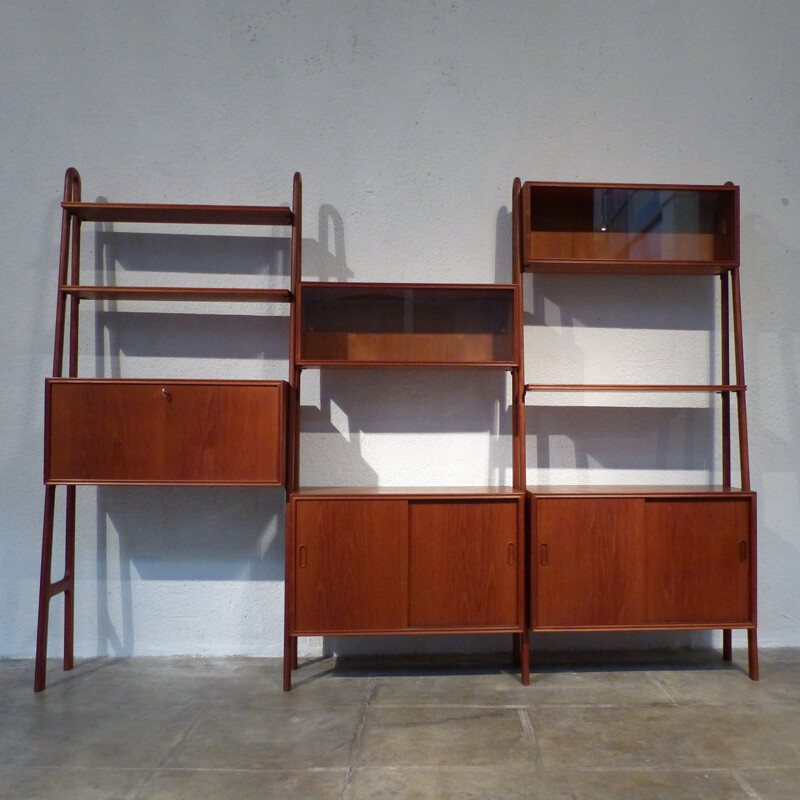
[[727, 638], [520, 654]]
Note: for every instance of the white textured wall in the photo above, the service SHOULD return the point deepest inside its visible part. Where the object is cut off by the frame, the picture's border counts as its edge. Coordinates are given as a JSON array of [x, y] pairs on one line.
[[409, 121]]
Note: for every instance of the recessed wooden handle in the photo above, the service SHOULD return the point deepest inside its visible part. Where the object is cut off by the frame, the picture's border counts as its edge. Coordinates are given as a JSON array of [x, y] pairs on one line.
[[511, 554], [742, 551], [543, 554], [302, 557]]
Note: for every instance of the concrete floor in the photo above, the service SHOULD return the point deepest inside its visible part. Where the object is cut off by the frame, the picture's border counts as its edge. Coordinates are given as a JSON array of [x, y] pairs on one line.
[[681, 726]]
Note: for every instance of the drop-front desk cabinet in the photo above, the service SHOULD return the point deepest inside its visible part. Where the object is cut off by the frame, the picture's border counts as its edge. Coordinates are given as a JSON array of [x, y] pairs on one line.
[[173, 432], [405, 560], [644, 557]]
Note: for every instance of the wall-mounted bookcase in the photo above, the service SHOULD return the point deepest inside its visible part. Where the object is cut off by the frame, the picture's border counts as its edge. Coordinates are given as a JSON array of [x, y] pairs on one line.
[[644, 557]]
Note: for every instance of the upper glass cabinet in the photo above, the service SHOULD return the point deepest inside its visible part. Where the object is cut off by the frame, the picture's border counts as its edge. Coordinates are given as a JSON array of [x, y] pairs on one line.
[[629, 228], [403, 324]]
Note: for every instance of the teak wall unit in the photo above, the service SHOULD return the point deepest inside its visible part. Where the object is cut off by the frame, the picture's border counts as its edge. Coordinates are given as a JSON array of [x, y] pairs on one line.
[[168, 432], [414, 560], [644, 557], [428, 560]]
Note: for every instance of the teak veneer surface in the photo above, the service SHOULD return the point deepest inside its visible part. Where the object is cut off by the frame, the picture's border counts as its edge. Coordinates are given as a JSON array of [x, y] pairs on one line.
[[180, 214], [168, 432]]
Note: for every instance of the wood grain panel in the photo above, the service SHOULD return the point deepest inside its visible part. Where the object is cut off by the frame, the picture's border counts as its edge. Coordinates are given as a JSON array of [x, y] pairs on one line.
[[587, 556], [351, 565], [400, 348], [593, 246], [464, 564], [171, 432], [698, 561]]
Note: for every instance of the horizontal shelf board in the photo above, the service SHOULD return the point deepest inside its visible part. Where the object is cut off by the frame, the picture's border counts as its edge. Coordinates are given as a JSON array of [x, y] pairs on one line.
[[410, 631], [694, 187], [176, 293], [343, 364], [158, 483], [427, 492], [633, 387], [220, 482], [181, 214], [600, 267], [650, 490], [391, 288], [684, 626], [167, 381]]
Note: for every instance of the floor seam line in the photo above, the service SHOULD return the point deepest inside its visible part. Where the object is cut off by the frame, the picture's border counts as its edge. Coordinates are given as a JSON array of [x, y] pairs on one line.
[[745, 786], [347, 789]]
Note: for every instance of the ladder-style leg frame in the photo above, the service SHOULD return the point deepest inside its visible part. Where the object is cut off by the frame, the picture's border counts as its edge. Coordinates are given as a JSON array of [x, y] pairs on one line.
[[48, 588], [68, 272]]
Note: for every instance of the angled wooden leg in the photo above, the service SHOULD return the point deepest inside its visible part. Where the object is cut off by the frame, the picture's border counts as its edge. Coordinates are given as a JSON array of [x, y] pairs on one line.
[[45, 583], [49, 588], [752, 653], [69, 582], [727, 644]]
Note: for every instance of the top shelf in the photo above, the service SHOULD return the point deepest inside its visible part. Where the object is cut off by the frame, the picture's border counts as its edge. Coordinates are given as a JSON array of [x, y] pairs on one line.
[[629, 228], [181, 214]]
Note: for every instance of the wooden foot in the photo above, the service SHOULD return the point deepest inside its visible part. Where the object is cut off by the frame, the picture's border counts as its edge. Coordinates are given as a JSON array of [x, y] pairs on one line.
[[525, 659], [752, 653], [288, 641], [727, 644]]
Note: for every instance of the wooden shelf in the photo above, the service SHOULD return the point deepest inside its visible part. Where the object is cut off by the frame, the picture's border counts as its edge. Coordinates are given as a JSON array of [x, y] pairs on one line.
[[629, 229], [634, 387], [406, 325], [177, 294], [180, 214], [450, 492], [649, 490]]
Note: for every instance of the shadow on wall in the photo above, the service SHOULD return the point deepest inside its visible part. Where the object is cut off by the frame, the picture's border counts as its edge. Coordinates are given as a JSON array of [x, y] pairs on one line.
[[341, 407], [180, 534], [772, 358], [606, 330], [185, 534]]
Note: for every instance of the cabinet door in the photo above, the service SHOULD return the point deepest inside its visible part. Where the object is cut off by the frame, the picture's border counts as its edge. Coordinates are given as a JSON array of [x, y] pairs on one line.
[[587, 558], [152, 432], [351, 565], [464, 564], [698, 561], [224, 433]]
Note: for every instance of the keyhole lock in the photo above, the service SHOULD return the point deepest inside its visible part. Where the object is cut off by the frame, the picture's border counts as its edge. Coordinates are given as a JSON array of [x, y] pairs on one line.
[[166, 395]]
